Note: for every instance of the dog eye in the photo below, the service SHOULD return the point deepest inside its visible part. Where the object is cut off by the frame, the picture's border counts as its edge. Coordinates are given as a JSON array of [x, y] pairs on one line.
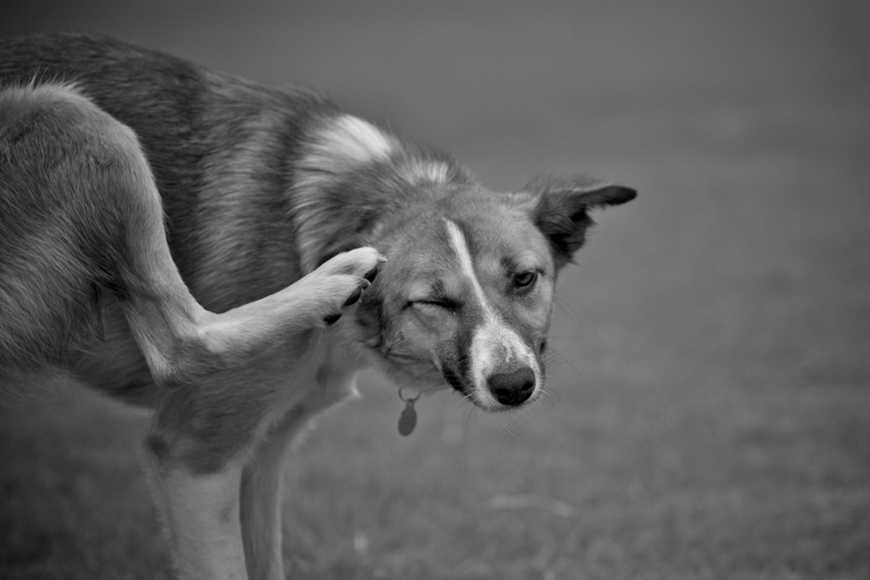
[[443, 303], [525, 279]]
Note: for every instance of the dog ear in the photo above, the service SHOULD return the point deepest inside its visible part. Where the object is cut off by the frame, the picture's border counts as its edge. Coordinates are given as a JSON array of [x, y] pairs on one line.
[[562, 210]]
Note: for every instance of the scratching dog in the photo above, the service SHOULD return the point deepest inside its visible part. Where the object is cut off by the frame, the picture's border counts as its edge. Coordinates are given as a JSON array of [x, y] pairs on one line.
[[230, 256]]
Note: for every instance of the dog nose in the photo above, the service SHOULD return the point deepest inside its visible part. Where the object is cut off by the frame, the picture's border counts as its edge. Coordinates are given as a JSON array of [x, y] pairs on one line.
[[513, 388]]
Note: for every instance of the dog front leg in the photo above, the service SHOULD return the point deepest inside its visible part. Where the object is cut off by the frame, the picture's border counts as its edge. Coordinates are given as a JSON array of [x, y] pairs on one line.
[[201, 514], [262, 478], [261, 495]]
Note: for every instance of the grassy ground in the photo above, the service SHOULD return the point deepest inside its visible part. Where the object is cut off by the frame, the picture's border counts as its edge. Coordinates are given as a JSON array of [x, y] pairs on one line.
[[709, 407]]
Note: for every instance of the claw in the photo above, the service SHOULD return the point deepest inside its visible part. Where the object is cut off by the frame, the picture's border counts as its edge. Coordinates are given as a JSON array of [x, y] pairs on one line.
[[355, 295]]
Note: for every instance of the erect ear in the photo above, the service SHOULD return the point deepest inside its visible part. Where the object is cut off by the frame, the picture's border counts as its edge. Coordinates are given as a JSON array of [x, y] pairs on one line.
[[562, 210]]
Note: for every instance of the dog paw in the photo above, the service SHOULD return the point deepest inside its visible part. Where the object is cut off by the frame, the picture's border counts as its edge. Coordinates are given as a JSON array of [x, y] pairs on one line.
[[342, 280], [362, 262]]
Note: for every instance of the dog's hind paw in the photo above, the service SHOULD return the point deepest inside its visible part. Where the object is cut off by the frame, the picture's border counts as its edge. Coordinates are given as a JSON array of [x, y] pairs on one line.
[[363, 262], [342, 280]]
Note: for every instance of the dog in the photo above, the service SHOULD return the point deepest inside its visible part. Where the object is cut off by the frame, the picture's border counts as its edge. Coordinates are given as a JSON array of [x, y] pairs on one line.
[[230, 256]]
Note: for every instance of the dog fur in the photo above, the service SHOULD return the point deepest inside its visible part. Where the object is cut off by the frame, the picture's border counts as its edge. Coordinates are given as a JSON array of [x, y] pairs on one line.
[[187, 241]]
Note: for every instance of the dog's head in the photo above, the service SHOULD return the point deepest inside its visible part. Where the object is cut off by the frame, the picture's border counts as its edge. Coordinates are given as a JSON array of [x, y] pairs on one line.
[[467, 292]]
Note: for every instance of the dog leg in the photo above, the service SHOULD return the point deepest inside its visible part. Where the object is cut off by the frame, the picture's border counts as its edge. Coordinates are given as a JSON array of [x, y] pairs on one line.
[[82, 211], [261, 496], [277, 322], [219, 392], [263, 475], [218, 398], [219, 375], [201, 515]]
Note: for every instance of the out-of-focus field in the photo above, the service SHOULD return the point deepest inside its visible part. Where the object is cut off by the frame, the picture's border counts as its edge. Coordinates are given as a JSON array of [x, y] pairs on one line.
[[709, 400]]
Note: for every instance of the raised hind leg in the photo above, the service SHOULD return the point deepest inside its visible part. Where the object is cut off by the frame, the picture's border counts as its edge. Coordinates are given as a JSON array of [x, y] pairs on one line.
[[220, 374]]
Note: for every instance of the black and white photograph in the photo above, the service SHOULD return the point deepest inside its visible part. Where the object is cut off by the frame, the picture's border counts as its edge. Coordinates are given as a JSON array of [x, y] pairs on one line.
[[481, 290]]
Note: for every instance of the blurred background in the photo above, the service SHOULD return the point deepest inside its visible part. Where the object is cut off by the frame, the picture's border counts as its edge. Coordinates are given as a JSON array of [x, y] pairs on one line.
[[709, 404]]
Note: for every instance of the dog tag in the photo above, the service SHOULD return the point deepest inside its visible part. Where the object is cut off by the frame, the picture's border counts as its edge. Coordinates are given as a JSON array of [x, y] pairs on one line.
[[408, 418]]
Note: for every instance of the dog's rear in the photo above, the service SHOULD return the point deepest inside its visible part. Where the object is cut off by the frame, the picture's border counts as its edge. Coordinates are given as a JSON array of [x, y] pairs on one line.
[[83, 218], [220, 151], [63, 223]]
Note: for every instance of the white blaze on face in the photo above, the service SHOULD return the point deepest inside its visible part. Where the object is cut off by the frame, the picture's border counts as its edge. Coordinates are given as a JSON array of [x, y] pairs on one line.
[[494, 344]]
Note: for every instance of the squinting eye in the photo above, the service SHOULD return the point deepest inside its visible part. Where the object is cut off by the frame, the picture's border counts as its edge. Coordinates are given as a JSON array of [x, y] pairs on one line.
[[443, 303], [525, 279]]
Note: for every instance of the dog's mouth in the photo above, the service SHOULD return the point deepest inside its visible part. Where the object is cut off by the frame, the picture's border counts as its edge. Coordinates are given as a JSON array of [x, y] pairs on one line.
[[408, 369], [502, 391], [458, 383], [414, 371]]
